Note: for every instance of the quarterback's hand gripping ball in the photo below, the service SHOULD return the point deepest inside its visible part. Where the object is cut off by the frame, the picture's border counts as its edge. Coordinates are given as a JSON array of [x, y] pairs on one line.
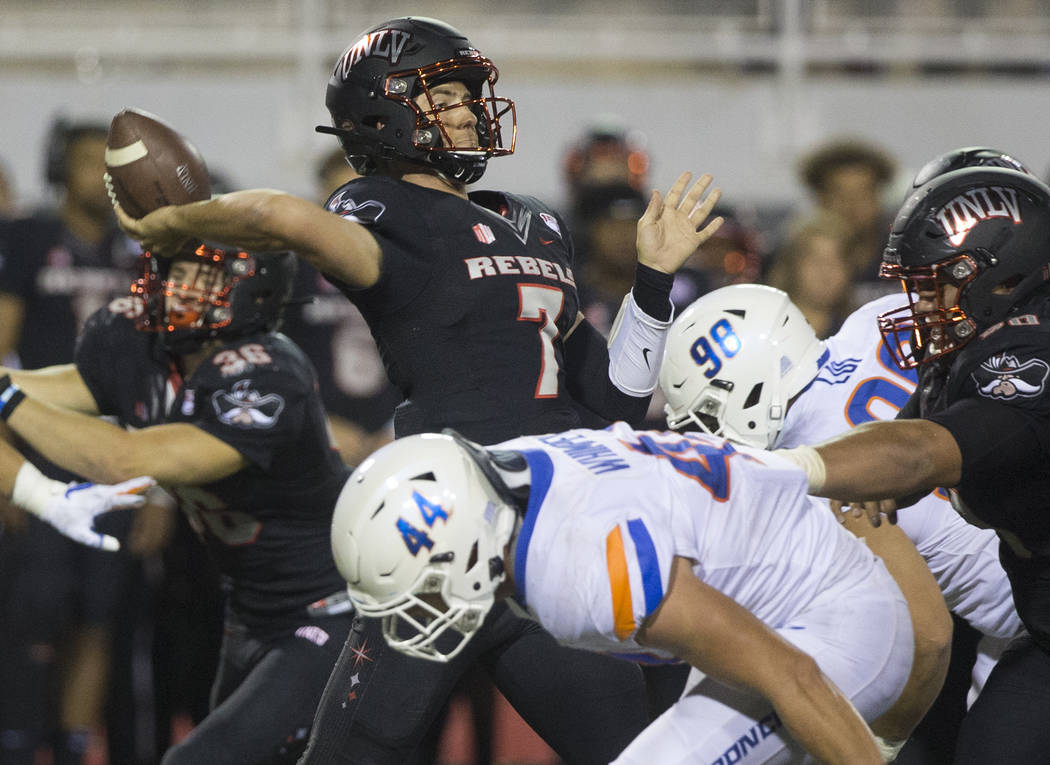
[[150, 165]]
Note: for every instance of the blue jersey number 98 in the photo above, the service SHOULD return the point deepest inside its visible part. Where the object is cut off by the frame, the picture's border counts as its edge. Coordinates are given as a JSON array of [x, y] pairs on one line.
[[725, 339]]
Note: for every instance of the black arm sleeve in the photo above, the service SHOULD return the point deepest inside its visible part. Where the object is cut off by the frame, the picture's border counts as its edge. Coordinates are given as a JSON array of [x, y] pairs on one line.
[[992, 437], [587, 378]]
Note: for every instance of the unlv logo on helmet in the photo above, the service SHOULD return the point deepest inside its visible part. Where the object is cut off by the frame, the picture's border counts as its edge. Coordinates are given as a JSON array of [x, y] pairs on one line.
[[384, 43], [965, 211]]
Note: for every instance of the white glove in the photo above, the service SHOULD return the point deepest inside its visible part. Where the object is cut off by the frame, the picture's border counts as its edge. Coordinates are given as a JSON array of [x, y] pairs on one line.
[[72, 508]]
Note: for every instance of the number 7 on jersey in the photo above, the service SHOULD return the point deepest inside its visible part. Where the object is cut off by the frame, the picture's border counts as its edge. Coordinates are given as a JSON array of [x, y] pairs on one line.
[[543, 305]]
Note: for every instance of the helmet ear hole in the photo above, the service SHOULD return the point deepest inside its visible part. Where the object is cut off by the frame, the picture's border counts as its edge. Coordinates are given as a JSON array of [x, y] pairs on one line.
[[472, 559], [753, 397]]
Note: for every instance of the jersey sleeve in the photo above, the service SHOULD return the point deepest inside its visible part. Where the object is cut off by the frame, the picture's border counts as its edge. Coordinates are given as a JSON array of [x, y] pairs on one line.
[[588, 382], [257, 410], [1000, 414], [993, 436], [635, 578], [386, 208]]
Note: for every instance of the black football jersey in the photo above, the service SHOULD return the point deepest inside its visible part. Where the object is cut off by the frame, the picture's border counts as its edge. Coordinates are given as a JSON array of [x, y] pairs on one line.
[[61, 281], [267, 525], [473, 300], [996, 404]]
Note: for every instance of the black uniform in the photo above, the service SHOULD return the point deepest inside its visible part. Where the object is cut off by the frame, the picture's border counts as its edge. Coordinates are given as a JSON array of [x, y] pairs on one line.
[[469, 313], [995, 401], [471, 310], [267, 525], [335, 337], [50, 585]]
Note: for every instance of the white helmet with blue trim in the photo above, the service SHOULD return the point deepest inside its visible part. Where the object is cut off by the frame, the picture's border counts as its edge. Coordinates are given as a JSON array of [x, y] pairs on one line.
[[419, 533], [734, 360]]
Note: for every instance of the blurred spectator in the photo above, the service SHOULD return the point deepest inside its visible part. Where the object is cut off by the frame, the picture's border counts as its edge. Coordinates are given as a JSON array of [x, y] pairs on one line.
[[607, 154], [811, 267], [333, 334], [849, 177], [732, 256], [61, 599], [7, 193]]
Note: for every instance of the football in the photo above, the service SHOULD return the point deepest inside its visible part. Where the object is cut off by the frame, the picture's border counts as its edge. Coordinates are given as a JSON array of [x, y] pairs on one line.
[[149, 164]]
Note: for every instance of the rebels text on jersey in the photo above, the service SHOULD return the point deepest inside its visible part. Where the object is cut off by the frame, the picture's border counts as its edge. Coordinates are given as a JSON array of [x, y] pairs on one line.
[[471, 307], [267, 525], [996, 404]]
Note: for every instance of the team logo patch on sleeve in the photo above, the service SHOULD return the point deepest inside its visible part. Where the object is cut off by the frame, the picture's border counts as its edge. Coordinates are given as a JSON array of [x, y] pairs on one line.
[[366, 212], [1003, 377], [244, 407]]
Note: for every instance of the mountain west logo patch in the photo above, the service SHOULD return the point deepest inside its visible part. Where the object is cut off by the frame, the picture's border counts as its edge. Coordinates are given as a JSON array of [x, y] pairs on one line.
[[244, 407], [1003, 377], [552, 222]]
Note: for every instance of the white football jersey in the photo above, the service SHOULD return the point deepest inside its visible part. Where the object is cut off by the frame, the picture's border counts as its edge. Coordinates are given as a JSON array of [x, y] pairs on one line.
[[860, 382], [608, 511]]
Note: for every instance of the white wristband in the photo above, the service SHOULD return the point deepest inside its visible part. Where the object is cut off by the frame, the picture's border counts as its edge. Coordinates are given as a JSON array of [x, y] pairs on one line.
[[636, 349], [809, 459], [33, 490]]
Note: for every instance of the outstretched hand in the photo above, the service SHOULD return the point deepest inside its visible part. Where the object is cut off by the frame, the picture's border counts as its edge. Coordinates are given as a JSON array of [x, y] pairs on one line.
[[669, 230], [73, 509], [151, 231]]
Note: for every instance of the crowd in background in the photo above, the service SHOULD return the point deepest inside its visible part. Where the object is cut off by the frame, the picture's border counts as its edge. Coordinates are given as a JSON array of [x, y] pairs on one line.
[[125, 644]]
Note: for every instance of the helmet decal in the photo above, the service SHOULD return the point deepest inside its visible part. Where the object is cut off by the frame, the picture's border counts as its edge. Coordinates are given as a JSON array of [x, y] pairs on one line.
[[964, 212], [387, 44]]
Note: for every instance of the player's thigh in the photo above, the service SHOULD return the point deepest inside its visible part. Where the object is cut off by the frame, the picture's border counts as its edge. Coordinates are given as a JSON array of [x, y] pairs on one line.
[[989, 649], [865, 649], [862, 642], [379, 703], [267, 718], [713, 723], [1010, 720]]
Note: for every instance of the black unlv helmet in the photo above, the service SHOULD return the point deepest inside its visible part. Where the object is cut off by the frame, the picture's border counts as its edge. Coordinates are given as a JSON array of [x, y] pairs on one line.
[[967, 156], [212, 293], [968, 247], [378, 81]]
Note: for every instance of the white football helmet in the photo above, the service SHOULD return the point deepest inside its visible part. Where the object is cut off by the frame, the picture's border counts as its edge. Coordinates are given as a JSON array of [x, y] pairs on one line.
[[734, 359], [419, 534]]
